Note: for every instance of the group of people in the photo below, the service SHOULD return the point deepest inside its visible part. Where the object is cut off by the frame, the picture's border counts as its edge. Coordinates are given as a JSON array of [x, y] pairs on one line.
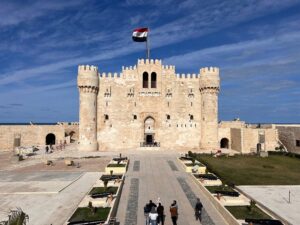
[[50, 148], [154, 213]]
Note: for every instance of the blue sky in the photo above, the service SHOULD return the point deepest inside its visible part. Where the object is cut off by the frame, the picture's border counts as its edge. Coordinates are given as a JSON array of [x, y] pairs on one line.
[[256, 44]]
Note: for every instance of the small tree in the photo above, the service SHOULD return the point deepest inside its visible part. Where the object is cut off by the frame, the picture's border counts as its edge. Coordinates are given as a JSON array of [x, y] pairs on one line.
[[111, 173], [193, 161], [252, 206], [91, 207], [105, 182]]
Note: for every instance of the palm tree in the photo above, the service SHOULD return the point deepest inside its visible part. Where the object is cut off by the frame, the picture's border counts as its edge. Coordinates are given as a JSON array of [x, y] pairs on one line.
[[16, 217]]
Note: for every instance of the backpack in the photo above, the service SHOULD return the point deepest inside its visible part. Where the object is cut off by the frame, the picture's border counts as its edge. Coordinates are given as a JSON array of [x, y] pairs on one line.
[[147, 208]]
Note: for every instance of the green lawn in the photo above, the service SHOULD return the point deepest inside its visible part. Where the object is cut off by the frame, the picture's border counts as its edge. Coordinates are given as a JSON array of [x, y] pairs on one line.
[[213, 189], [86, 214], [99, 190], [254, 170], [242, 212]]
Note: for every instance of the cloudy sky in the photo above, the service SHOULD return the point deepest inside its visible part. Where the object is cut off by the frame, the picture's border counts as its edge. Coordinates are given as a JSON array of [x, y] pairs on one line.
[[256, 44]]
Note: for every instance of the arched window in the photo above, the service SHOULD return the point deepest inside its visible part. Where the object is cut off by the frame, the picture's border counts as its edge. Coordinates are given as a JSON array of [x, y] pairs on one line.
[[191, 117], [153, 80], [145, 80], [168, 117], [134, 117], [106, 117]]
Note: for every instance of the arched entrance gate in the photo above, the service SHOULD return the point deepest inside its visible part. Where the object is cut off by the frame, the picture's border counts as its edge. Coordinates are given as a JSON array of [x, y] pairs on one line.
[[149, 133]]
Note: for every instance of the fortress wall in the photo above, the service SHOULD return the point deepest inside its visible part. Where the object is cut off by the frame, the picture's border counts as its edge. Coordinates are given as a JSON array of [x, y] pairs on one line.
[[122, 98], [29, 135], [271, 139], [232, 124], [224, 133], [250, 140], [236, 139], [288, 136]]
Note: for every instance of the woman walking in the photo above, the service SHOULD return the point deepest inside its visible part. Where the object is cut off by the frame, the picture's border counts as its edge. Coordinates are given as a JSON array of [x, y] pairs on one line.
[[174, 212]]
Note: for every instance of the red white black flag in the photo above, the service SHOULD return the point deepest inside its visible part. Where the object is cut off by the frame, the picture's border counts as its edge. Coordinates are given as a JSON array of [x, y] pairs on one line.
[[140, 34]]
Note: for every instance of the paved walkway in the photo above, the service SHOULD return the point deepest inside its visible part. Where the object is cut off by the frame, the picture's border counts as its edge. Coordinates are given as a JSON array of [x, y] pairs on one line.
[[276, 199], [152, 175]]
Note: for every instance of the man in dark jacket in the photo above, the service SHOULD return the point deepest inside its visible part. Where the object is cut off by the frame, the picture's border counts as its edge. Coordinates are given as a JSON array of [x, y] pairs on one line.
[[198, 209], [161, 216]]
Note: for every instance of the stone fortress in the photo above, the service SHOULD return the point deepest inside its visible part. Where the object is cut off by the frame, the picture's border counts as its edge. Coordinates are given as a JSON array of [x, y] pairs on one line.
[[149, 106]]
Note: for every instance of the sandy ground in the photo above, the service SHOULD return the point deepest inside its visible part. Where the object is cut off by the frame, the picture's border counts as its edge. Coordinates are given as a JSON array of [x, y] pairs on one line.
[[9, 162]]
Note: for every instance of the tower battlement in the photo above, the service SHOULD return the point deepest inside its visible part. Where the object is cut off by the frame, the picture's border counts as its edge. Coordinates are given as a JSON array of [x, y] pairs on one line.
[[149, 61], [209, 71], [87, 68]]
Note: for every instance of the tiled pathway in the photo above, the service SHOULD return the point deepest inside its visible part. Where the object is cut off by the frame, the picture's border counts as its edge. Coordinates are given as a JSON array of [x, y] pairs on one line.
[[152, 175]]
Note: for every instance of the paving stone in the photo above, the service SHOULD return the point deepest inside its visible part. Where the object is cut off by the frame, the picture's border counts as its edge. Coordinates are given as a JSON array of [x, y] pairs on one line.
[[136, 166], [206, 220], [172, 165], [132, 204]]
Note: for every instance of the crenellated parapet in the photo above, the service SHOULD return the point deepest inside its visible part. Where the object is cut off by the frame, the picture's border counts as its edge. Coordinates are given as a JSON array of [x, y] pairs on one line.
[[110, 76], [187, 76], [88, 78], [149, 62], [209, 80]]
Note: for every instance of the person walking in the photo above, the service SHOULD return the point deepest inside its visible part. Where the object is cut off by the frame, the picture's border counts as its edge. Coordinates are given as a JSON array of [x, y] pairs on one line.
[[198, 210], [147, 210], [153, 216], [174, 212], [160, 212]]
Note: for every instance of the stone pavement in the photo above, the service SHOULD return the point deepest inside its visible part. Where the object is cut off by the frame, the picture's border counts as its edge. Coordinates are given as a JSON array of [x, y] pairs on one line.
[[276, 199], [154, 174], [44, 208]]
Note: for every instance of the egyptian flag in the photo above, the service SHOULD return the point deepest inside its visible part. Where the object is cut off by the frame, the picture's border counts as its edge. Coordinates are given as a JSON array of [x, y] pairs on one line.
[[140, 34]]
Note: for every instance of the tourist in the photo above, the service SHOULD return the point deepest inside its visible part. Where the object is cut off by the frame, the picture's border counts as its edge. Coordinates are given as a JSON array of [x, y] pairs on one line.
[[198, 209], [174, 212], [151, 204], [153, 216], [161, 216], [147, 210]]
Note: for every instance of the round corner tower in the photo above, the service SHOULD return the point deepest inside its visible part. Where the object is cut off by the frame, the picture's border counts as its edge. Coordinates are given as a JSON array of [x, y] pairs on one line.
[[209, 89], [88, 85]]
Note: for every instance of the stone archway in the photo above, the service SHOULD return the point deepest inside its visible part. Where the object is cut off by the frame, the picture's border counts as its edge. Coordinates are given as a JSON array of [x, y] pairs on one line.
[[149, 131], [224, 143], [50, 139]]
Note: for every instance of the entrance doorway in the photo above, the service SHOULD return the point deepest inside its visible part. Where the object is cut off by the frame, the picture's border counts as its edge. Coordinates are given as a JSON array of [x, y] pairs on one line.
[[149, 139], [50, 139], [224, 143]]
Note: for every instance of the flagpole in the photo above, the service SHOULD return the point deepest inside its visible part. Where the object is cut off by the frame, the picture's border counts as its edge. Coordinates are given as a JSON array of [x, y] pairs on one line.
[[148, 45]]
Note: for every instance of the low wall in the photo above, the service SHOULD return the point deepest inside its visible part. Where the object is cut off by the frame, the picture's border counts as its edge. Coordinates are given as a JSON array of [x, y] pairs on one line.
[[230, 219]]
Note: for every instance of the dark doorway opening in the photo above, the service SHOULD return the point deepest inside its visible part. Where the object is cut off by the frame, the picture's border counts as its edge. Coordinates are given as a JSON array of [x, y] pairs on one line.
[[224, 143], [50, 139], [149, 139]]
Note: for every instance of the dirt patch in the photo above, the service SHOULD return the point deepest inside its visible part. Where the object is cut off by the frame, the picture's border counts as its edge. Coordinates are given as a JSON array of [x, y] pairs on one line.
[[81, 165]]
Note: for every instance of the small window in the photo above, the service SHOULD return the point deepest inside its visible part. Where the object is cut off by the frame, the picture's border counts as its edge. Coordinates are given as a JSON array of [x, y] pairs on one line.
[[153, 80], [191, 104], [298, 143], [134, 117], [168, 117], [168, 104], [106, 117], [145, 80], [191, 117]]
